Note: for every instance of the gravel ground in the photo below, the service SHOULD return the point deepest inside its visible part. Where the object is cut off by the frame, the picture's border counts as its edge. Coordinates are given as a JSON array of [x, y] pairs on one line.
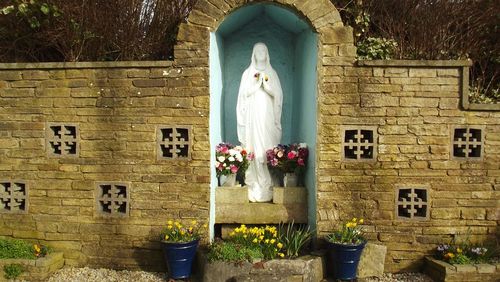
[[107, 275]]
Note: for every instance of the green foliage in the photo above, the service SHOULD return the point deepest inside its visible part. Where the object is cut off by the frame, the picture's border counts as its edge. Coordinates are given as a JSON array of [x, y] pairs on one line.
[[33, 12], [464, 252], [376, 48], [16, 249], [233, 252], [479, 96], [12, 271], [294, 238]]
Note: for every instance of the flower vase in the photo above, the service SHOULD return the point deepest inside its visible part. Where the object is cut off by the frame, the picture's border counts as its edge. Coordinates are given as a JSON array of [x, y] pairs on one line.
[[344, 259], [290, 179], [179, 258], [229, 180]]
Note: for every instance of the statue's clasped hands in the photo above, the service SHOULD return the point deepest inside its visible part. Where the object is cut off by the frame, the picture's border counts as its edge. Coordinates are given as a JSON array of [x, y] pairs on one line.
[[263, 79]]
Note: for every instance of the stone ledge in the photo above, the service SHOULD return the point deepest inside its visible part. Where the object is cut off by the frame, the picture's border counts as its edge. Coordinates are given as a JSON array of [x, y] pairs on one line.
[[36, 269], [442, 271], [414, 63], [290, 195], [260, 213], [87, 65]]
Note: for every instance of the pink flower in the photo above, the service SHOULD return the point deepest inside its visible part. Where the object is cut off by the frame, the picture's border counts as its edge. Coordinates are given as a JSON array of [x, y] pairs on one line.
[[224, 150], [274, 162], [234, 169], [251, 156], [301, 162], [291, 155]]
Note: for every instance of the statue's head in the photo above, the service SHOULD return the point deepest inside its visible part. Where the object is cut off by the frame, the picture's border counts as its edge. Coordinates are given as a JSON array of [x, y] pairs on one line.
[[260, 53]]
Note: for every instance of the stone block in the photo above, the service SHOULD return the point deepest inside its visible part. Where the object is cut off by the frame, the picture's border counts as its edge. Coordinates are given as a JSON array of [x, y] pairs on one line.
[[422, 72], [372, 261], [337, 34], [231, 195], [290, 195]]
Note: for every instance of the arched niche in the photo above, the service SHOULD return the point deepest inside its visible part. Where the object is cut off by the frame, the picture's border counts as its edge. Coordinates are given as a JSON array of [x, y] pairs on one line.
[[293, 47]]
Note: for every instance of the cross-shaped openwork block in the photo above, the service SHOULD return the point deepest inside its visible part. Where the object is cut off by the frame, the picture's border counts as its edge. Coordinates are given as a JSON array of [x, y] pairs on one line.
[[173, 142], [467, 142], [13, 197], [62, 140], [412, 203], [359, 143], [113, 198]]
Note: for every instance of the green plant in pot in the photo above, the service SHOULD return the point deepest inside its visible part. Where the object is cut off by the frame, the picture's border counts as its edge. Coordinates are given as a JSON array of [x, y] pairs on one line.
[[344, 249], [179, 244]]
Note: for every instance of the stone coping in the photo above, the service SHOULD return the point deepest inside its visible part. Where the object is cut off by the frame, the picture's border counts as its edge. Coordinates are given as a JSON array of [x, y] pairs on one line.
[[260, 213], [415, 63], [86, 65]]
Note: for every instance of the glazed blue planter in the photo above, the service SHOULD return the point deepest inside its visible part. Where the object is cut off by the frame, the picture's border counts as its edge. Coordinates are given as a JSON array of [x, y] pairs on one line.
[[344, 259], [179, 258]]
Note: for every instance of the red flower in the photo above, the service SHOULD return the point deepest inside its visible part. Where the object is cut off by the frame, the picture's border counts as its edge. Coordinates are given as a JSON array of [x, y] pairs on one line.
[[300, 162], [291, 155]]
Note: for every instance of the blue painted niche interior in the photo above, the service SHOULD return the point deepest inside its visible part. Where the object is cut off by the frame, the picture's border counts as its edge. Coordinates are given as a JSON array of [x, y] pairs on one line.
[[293, 50]]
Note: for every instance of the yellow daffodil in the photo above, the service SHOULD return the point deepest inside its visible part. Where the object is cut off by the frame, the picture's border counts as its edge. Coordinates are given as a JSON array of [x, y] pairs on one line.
[[272, 241], [166, 237], [190, 229], [255, 240], [354, 219], [266, 241], [232, 234], [170, 222], [459, 250], [170, 227], [361, 221], [261, 237], [282, 255], [183, 232], [279, 245], [245, 236]]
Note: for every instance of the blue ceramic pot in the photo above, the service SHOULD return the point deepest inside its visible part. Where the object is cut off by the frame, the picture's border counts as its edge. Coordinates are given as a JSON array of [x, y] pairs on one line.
[[179, 258], [344, 259]]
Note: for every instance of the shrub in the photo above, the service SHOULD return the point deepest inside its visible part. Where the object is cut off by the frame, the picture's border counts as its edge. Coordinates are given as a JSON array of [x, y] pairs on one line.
[[92, 30], [233, 252], [12, 271]]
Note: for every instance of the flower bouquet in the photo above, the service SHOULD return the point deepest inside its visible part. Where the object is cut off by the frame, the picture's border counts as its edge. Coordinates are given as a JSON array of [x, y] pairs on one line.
[[231, 160], [288, 160]]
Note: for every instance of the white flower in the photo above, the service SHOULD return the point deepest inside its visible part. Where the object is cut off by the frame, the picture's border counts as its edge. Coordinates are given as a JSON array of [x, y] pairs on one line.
[[232, 152], [231, 159], [238, 148], [221, 159]]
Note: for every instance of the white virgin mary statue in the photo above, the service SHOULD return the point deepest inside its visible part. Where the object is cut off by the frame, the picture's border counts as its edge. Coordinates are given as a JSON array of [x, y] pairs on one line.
[[258, 113]]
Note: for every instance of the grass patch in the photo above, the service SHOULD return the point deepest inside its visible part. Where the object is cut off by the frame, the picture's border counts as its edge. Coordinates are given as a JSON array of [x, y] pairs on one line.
[[16, 249], [12, 271], [233, 252]]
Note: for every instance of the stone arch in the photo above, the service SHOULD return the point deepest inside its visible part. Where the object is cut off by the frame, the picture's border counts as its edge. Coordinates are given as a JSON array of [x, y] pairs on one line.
[[334, 62]]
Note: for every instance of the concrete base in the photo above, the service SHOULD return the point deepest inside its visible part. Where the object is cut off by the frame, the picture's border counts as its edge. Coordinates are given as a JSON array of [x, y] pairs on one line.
[[231, 195], [290, 195]]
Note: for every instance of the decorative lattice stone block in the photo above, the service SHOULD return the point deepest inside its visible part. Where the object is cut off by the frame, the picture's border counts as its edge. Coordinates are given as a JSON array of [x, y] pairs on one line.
[[13, 197], [412, 203], [62, 140], [467, 142], [359, 143], [113, 199], [174, 142]]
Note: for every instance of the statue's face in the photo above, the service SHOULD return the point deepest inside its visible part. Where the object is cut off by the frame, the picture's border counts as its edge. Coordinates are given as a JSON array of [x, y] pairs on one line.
[[260, 53]]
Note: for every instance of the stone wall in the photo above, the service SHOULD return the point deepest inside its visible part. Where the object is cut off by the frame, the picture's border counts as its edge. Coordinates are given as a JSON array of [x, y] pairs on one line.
[[413, 107], [120, 119], [117, 109]]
